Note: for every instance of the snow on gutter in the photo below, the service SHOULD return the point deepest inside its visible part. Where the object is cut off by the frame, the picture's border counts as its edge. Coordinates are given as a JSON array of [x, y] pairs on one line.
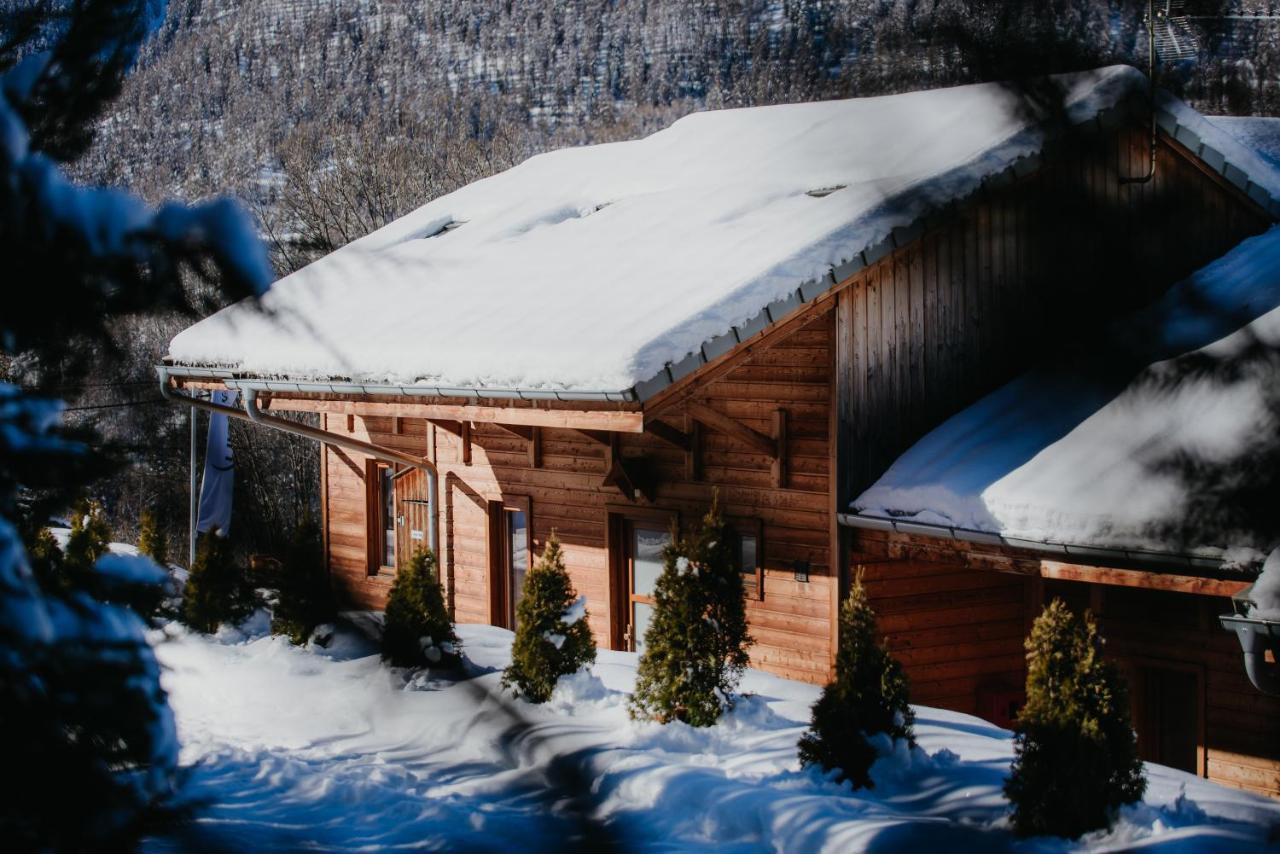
[[1163, 560], [242, 382]]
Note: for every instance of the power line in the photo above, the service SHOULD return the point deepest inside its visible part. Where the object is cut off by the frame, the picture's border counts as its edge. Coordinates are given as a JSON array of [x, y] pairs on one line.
[[114, 405]]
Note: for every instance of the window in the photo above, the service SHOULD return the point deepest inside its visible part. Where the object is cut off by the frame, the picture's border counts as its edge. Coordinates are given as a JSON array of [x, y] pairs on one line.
[[380, 486], [748, 542], [511, 555], [516, 536], [637, 538]]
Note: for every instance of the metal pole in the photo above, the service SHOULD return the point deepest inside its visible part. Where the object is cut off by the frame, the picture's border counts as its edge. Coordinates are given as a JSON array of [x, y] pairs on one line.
[[191, 522]]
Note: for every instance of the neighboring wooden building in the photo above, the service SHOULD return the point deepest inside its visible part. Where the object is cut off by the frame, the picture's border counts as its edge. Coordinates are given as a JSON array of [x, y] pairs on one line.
[[789, 414]]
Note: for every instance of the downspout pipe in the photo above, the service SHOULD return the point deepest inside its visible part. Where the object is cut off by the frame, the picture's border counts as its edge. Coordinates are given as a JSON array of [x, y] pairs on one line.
[[1256, 636], [252, 412]]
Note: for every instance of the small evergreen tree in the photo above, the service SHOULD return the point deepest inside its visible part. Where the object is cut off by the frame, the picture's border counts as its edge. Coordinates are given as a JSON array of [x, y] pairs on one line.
[[217, 591], [696, 646], [305, 597], [153, 539], [869, 695], [552, 636], [1076, 753], [90, 536], [46, 559], [417, 630]]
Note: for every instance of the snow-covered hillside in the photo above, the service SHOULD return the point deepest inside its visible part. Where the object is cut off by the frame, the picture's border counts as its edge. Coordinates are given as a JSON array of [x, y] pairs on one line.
[[329, 749]]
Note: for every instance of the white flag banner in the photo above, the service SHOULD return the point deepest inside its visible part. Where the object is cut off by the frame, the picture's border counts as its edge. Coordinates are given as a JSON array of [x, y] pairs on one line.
[[219, 472]]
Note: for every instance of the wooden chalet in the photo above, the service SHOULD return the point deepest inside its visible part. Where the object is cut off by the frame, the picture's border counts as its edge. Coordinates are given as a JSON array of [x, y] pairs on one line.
[[796, 406]]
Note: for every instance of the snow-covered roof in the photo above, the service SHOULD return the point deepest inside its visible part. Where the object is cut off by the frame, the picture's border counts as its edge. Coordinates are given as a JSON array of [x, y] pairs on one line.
[[1160, 437], [596, 268]]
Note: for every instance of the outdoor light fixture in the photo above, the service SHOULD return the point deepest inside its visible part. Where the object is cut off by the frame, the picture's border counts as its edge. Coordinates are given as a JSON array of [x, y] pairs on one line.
[[1256, 638]]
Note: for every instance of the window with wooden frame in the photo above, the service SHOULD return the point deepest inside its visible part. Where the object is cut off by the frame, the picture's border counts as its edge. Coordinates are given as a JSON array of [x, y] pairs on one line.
[[380, 515], [748, 554], [510, 556], [637, 537]]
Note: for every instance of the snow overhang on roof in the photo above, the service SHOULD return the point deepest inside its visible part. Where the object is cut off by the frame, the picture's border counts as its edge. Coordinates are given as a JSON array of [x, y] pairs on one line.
[[1159, 439], [611, 271]]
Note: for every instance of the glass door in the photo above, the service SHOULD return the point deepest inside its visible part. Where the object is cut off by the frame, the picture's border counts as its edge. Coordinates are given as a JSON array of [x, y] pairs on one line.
[[644, 543]]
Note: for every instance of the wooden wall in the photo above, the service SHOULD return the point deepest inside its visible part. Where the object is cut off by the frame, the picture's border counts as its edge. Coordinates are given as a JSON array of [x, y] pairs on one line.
[[957, 631], [791, 625], [1148, 628], [1008, 277]]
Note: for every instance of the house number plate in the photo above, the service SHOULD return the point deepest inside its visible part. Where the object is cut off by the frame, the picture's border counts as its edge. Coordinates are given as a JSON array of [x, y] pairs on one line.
[[415, 535]]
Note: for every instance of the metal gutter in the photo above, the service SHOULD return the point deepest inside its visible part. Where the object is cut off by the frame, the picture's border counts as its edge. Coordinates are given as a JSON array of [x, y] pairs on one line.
[[1165, 560], [253, 413], [243, 382]]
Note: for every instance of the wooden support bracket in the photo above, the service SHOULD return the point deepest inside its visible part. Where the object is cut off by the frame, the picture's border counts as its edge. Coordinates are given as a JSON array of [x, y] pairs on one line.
[[693, 456], [600, 437], [618, 474], [669, 434], [779, 467], [522, 431], [535, 448], [717, 420]]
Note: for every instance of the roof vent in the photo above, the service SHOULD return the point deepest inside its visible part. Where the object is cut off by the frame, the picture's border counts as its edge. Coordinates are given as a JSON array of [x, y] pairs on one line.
[[824, 191]]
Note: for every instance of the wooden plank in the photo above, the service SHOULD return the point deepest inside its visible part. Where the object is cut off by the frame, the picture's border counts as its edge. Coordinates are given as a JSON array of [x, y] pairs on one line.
[[622, 421], [1137, 578], [717, 420], [778, 470], [535, 448], [671, 435]]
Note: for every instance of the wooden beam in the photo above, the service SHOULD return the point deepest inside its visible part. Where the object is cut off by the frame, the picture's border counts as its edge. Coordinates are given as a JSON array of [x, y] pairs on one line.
[[693, 456], [717, 420], [466, 443], [613, 420], [1139, 578], [454, 427], [668, 434], [779, 467], [535, 448], [615, 472], [397, 425], [351, 423], [518, 430], [622, 474], [600, 437]]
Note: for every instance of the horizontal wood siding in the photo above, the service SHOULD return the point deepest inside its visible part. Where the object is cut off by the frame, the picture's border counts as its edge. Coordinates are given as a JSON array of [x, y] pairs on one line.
[[791, 624], [958, 633], [1010, 275], [1242, 725]]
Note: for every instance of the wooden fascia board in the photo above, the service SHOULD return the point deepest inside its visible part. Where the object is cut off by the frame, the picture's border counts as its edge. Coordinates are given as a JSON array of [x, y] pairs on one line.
[[993, 558], [618, 420], [1116, 577]]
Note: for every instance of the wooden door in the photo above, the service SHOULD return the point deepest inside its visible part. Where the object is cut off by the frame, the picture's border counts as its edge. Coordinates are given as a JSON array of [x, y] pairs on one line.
[[643, 544], [413, 514], [1167, 703]]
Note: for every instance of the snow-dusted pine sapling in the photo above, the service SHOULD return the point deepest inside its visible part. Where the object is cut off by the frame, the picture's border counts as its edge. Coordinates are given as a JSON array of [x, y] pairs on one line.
[[417, 630], [696, 646], [217, 590], [305, 598], [552, 635], [868, 696], [153, 539], [1076, 756], [90, 536]]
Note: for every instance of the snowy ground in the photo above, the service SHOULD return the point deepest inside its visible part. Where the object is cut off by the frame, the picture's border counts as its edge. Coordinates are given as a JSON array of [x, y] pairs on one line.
[[327, 749]]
